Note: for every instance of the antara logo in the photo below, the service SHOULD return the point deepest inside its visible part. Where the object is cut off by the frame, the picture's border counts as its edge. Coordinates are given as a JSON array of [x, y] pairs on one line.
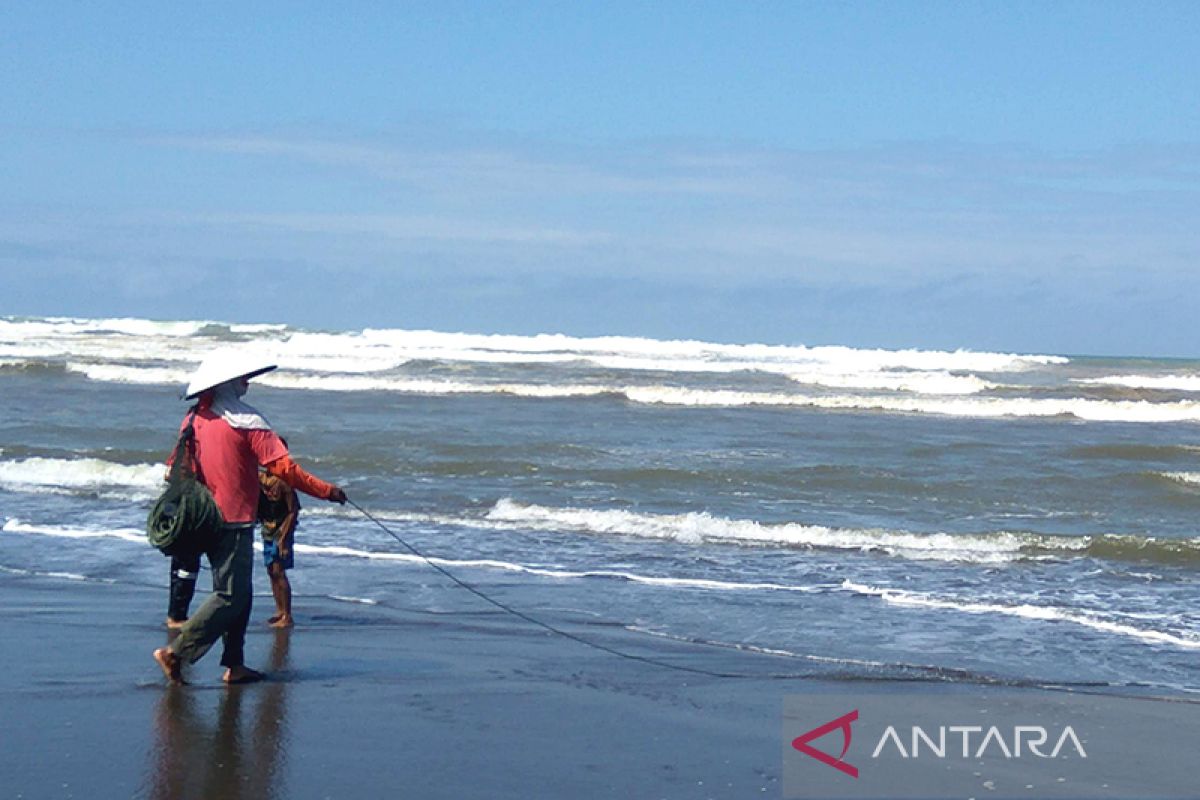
[[842, 723], [1032, 739]]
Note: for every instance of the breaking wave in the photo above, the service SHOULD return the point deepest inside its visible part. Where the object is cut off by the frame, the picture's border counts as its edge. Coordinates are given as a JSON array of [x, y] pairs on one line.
[[117, 373], [1185, 478], [1112, 623], [926, 383], [144, 481], [957, 383], [1176, 383], [16, 526], [1095, 621], [987, 548], [967, 407], [132, 343], [13, 525], [87, 474]]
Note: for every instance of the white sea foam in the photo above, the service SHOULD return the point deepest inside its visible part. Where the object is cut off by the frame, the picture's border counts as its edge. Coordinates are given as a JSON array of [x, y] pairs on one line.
[[26, 350], [891, 596], [976, 407], [558, 574], [902, 381], [980, 407], [1186, 478], [115, 373], [258, 327], [81, 473], [362, 601], [902, 598], [377, 350], [70, 576], [70, 326], [355, 383], [632, 353], [143, 327], [1179, 383], [700, 527], [927, 383], [14, 525]]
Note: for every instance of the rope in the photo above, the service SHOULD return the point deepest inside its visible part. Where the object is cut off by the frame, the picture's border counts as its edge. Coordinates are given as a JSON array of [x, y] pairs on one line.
[[547, 626]]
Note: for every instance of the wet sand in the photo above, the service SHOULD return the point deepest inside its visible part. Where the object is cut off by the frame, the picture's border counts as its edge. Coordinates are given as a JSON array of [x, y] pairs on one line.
[[370, 702], [362, 704]]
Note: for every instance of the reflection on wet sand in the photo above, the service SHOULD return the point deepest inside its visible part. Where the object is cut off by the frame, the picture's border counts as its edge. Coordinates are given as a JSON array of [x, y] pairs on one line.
[[235, 751]]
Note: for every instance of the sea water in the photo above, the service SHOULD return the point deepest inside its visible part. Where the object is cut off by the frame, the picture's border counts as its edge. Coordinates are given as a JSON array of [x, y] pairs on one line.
[[831, 511]]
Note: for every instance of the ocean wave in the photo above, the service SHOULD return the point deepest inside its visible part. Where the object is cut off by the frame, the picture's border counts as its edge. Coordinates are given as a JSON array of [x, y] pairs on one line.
[[974, 407], [898, 597], [115, 373], [1185, 478], [1177, 383], [987, 548], [361, 601], [14, 525], [701, 528], [1111, 623], [558, 574], [1138, 452], [127, 341], [69, 576], [977, 407], [31, 366], [81, 473], [856, 668], [927, 383], [704, 356], [14, 328], [141, 327], [353, 383], [661, 395]]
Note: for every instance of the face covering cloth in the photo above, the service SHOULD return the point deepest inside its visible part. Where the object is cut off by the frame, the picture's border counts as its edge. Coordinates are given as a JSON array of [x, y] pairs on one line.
[[228, 404]]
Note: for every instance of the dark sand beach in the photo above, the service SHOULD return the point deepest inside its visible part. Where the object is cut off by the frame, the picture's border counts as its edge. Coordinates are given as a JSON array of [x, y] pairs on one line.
[[383, 703], [386, 702]]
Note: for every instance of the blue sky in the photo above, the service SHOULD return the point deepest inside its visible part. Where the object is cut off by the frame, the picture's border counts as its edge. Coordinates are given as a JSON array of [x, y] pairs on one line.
[[1015, 176]]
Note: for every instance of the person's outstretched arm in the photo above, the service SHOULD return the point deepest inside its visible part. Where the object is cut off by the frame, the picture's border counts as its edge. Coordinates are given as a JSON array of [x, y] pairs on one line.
[[294, 475]]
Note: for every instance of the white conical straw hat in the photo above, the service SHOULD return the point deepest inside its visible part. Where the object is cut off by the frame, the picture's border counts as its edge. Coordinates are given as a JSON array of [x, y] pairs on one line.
[[225, 365]]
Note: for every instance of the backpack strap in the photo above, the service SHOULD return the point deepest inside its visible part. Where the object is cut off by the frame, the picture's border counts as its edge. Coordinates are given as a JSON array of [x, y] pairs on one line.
[[183, 461]]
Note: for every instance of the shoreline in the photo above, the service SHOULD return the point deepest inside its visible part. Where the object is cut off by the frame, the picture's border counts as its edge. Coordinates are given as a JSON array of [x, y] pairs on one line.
[[388, 702]]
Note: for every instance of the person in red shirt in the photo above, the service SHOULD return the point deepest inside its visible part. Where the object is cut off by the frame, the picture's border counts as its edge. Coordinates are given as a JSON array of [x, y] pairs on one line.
[[232, 439], [278, 516]]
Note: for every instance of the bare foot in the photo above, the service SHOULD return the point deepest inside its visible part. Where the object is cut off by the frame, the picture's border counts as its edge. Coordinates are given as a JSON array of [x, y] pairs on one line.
[[281, 621], [175, 624], [171, 666], [271, 620], [236, 675]]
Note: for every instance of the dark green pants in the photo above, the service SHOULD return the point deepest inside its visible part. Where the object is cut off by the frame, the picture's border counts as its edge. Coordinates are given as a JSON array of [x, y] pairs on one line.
[[226, 612]]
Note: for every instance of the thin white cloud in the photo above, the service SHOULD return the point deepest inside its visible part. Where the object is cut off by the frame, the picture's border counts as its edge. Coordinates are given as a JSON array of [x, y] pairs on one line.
[[404, 227], [490, 169], [895, 215]]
